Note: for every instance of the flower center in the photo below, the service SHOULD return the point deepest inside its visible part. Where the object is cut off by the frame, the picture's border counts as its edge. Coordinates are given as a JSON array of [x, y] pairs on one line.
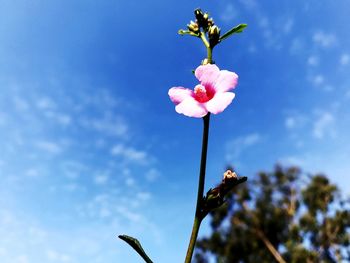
[[201, 94]]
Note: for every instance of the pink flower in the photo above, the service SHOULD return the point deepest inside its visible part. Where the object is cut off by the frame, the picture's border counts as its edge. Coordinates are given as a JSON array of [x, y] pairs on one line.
[[211, 95]]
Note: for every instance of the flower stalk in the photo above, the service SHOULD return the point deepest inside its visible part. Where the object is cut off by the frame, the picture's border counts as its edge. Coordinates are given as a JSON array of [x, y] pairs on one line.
[[199, 207]]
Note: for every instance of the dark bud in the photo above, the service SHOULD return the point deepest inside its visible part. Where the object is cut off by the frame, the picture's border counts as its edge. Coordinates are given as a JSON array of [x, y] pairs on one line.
[[211, 22], [202, 19], [214, 35], [216, 196]]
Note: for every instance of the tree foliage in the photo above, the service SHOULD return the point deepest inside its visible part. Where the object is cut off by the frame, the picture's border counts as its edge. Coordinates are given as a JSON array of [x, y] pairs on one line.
[[281, 216]]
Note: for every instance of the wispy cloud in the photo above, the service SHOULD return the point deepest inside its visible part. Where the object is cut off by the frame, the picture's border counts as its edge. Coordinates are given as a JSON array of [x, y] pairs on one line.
[[101, 179], [324, 125], [313, 60], [152, 175], [20, 103], [131, 154], [325, 40], [49, 147], [344, 59], [108, 125], [45, 103], [229, 13], [235, 147]]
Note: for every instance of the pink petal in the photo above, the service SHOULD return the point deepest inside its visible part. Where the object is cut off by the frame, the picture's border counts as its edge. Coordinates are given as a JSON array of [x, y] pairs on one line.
[[207, 74], [226, 81], [178, 94], [219, 102], [191, 108]]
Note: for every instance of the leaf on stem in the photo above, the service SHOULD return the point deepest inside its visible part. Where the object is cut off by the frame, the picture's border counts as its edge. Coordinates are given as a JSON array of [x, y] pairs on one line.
[[234, 30], [135, 244], [187, 32]]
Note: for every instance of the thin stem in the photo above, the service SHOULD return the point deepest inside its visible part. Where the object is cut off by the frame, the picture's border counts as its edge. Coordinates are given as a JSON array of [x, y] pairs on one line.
[[193, 239], [199, 215], [204, 39], [209, 55], [203, 164], [209, 48]]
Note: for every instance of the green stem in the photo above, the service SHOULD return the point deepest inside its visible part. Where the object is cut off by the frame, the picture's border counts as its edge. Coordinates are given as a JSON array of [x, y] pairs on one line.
[[209, 55], [199, 215], [209, 48], [204, 39]]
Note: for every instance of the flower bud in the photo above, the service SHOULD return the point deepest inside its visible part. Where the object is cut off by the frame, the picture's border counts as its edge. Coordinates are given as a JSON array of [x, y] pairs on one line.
[[214, 35], [193, 27], [229, 175], [206, 16], [202, 19], [210, 22]]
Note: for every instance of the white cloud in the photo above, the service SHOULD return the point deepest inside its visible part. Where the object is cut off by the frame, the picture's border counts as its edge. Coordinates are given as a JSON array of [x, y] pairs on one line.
[[251, 5], [144, 196], [55, 256], [73, 169], [235, 147], [128, 214], [295, 121], [152, 175], [112, 126], [71, 187], [347, 94], [288, 25], [20, 103], [32, 172], [324, 40], [318, 80], [229, 13], [313, 60], [344, 59], [3, 119], [101, 179], [290, 122], [130, 181], [49, 147], [21, 259], [45, 103], [296, 46], [323, 125], [61, 118], [130, 154], [292, 160]]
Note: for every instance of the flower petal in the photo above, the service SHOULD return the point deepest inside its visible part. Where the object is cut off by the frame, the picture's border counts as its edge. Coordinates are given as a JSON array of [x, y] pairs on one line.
[[178, 94], [207, 74], [226, 81], [219, 102], [191, 108]]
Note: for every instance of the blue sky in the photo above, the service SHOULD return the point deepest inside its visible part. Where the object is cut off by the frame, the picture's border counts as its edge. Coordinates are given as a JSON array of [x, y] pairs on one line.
[[91, 146]]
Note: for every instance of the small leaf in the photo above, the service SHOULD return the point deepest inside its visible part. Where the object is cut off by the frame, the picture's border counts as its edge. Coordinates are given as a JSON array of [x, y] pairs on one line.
[[234, 30], [187, 32], [135, 244]]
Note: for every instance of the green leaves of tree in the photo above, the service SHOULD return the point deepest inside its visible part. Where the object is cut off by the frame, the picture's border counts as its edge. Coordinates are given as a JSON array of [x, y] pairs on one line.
[[135, 244], [235, 30]]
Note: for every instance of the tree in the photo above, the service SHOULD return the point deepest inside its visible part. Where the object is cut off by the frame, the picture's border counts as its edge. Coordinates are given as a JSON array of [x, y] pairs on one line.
[[281, 216]]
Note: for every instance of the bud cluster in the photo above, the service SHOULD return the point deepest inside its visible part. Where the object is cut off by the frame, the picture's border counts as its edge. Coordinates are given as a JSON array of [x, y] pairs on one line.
[[216, 196], [214, 35], [208, 25], [193, 27], [203, 26]]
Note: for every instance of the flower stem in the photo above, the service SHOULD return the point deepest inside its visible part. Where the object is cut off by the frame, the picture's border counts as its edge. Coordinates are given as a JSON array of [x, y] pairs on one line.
[[199, 215], [209, 48], [209, 55]]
